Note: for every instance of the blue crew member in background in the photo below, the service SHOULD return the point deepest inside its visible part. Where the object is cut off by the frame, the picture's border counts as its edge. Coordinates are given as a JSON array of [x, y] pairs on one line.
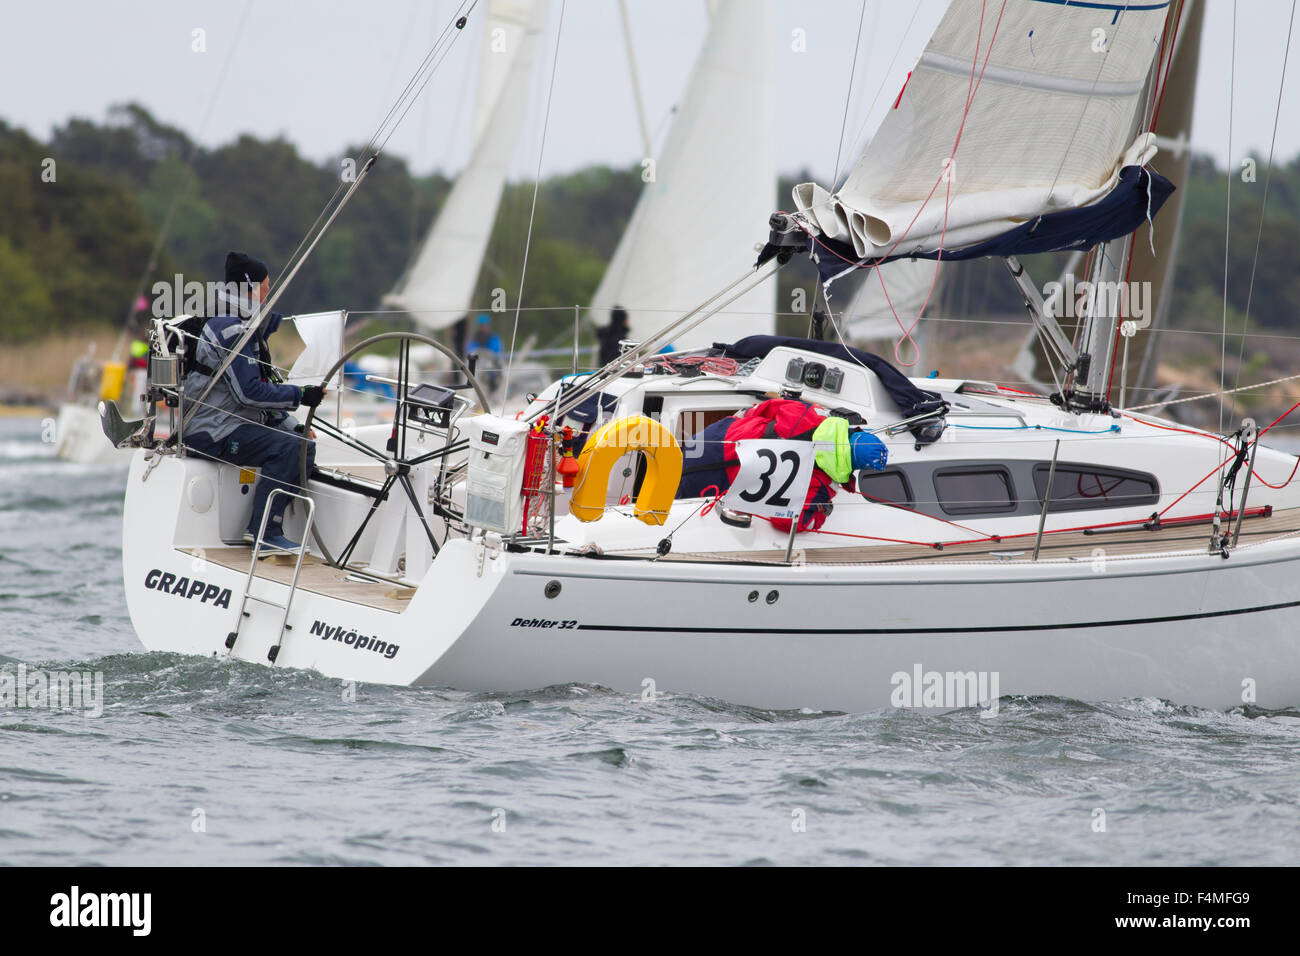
[[245, 419], [485, 339], [487, 345]]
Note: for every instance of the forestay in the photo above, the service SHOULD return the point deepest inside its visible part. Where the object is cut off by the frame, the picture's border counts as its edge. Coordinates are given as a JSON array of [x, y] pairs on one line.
[[1014, 111]]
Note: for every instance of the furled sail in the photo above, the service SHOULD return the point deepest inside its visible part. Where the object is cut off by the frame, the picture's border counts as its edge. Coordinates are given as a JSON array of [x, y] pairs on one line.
[[717, 167], [1013, 134], [438, 288]]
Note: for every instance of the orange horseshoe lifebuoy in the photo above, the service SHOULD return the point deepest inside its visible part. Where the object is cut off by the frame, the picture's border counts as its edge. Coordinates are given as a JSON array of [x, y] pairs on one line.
[[611, 442]]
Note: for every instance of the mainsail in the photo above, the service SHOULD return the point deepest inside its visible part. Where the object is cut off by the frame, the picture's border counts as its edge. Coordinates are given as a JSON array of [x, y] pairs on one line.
[[717, 167], [1013, 134], [1153, 262], [438, 288]]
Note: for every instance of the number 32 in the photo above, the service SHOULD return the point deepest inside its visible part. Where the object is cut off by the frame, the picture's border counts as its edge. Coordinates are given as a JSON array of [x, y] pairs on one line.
[[778, 500]]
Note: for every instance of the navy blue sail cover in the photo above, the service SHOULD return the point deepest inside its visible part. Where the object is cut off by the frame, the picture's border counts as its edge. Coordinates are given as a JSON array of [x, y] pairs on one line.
[[911, 401], [593, 407], [1137, 197]]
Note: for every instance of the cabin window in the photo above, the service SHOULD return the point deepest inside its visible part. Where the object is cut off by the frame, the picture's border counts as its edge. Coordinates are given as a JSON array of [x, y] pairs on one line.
[[1081, 487], [967, 491], [887, 487], [692, 422]]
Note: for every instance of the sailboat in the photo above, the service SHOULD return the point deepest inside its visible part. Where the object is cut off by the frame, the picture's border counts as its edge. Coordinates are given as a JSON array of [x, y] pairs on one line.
[[717, 166], [438, 288], [952, 534], [77, 432]]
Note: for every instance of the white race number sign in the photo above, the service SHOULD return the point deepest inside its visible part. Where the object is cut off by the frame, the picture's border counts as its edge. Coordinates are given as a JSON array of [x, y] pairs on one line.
[[773, 477]]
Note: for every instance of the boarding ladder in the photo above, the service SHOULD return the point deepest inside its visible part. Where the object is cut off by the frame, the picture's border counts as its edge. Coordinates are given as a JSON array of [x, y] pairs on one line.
[[233, 636]]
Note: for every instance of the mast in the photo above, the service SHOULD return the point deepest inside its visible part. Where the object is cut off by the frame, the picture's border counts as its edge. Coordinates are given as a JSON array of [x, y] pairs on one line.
[[636, 79], [1174, 72], [1173, 128], [1131, 262]]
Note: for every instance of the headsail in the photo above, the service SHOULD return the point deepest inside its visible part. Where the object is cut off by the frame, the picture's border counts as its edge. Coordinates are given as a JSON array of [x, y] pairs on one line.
[[440, 284], [891, 294], [1013, 134], [718, 167]]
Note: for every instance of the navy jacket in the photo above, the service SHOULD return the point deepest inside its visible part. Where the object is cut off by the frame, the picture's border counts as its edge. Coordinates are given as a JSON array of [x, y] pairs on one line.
[[242, 395]]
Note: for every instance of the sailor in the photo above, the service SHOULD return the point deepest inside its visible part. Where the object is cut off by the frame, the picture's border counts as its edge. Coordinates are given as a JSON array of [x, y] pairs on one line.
[[245, 419], [486, 344], [612, 334]]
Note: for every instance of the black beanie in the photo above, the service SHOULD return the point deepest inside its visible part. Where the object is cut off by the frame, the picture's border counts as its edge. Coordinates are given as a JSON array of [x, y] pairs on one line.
[[241, 267]]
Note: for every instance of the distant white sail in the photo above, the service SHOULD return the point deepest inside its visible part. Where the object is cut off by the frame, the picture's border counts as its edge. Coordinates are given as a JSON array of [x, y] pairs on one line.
[[871, 314], [439, 286], [502, 41], [1056, 91], [695, 226]]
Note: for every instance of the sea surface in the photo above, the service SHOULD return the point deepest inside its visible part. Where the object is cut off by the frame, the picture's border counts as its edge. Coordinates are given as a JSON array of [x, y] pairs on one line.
[[199, 762]]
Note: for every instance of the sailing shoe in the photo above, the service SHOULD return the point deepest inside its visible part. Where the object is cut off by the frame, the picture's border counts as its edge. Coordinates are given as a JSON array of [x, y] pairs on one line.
[[273, 543]]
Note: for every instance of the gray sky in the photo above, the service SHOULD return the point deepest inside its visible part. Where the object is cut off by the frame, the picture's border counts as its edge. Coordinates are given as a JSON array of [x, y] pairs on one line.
[[323, 73]]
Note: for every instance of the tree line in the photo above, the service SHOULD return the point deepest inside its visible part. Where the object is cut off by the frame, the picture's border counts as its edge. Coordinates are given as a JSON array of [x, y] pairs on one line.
[[80, 214]]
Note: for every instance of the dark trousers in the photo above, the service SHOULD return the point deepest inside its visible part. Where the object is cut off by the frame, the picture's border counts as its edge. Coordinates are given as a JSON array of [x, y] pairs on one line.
[[273, 451]]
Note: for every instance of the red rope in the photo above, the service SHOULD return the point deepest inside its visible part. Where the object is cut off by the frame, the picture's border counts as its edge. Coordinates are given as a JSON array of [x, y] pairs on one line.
[[893, 504], [1213, 472], [1268, 484], [869, 537], [1185, 431], [973, 86], [1282, 416]]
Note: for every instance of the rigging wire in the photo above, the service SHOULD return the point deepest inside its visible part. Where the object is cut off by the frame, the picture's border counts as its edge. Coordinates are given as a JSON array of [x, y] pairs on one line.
[[401, 106], [1227, 217], [848, 95], [1263, 207], [165, 228], [881, 88], [537, 184], [336, 202]]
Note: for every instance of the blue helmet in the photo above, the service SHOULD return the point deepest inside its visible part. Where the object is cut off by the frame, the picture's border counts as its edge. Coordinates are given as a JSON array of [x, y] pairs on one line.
[[868, 451]]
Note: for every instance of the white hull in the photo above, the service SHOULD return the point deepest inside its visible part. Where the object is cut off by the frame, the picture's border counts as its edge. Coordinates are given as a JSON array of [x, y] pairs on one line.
[[80, 438], [1191, 627]]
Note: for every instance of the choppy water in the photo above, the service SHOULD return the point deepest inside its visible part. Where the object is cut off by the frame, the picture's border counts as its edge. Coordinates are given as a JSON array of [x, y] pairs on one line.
[[285, 770]]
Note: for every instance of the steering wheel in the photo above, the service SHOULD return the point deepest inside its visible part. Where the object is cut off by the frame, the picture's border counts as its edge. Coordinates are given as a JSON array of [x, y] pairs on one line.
[[393, 457]]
